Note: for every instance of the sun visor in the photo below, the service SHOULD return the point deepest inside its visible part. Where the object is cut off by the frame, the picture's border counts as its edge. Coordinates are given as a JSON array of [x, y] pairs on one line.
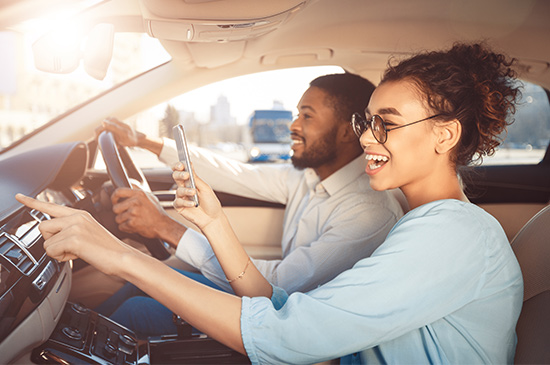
[[215, 20]]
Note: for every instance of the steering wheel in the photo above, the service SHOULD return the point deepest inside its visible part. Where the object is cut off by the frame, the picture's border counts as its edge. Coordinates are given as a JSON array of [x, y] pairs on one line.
[[123, 172]]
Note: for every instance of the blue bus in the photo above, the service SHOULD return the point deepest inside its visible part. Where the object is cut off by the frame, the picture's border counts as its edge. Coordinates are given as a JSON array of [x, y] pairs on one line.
[[270, 134]]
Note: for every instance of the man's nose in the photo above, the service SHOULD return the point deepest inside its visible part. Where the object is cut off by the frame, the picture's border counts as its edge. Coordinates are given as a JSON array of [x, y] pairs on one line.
[[295, 124]]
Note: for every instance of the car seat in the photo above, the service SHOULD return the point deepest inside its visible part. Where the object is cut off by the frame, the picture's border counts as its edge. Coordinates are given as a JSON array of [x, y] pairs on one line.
[[532, 248]]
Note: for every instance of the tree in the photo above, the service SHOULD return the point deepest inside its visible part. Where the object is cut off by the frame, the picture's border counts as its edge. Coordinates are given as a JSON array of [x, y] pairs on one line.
[[171, 119]]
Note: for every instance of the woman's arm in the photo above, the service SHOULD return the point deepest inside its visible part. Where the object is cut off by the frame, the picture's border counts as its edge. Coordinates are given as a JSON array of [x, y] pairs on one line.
[[240, 272], [72, 234]]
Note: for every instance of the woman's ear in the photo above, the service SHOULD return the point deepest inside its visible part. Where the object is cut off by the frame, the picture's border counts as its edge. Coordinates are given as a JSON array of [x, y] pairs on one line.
[[448, 134]]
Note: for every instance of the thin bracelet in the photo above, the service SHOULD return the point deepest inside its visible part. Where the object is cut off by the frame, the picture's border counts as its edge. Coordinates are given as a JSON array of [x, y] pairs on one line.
[[241, 274]]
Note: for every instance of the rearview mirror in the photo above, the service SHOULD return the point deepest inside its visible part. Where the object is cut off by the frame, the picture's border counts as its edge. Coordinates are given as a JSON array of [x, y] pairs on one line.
[[60, 51]]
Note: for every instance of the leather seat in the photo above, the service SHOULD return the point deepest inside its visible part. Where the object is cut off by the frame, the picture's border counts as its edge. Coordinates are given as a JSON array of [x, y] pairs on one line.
[[532, 248]]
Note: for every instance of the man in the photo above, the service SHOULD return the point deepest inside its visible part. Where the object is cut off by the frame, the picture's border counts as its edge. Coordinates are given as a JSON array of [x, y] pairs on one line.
[[332, 217]]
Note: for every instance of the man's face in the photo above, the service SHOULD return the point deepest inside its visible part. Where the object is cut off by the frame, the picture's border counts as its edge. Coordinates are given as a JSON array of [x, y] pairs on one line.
[[314, 131]]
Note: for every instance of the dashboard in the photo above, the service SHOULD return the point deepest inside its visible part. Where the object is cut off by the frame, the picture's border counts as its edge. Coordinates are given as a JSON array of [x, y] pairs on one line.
[[33, 287], [37, 322]]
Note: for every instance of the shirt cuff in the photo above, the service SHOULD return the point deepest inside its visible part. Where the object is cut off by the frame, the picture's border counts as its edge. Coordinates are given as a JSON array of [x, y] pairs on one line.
[[168, 154], [193, 248], [252, 311]]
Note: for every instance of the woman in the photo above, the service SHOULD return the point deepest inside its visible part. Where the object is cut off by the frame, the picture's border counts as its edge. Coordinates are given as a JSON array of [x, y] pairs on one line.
[[444, 286]]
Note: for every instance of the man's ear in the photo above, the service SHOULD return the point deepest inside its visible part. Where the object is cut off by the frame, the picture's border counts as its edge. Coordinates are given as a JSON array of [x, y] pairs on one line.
[[447, 136], [346, 133]]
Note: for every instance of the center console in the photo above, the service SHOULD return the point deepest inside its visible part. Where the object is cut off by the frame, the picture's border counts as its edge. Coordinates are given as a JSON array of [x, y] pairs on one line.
[[82, 336]]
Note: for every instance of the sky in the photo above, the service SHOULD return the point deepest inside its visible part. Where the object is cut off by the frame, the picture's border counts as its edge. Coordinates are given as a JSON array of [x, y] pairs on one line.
[[251, 92]]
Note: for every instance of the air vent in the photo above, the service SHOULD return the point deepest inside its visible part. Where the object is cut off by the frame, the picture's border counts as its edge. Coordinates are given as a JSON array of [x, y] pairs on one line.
[[13, 251]]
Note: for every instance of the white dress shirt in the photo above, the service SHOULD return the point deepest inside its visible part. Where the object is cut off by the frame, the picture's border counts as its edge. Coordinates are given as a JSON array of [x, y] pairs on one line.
[[329, 225]]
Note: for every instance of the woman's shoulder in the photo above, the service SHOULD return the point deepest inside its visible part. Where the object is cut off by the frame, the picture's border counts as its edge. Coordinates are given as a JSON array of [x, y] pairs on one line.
[[451, 214], [448, 207]]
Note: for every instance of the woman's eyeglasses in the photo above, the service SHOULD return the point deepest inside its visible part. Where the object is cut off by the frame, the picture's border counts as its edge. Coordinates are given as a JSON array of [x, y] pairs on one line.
[[377, 125]]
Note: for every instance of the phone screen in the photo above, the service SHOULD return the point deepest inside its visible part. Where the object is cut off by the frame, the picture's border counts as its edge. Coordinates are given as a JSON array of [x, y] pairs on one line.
[[183, 154]]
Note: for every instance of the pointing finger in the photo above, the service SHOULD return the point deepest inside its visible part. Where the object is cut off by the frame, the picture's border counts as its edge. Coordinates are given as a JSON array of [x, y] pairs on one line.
[[51, 209]]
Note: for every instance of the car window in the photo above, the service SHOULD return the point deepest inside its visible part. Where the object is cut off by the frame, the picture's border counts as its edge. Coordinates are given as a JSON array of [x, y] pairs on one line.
[[221, 117], [245, 117], [528, 136], [30, 98]]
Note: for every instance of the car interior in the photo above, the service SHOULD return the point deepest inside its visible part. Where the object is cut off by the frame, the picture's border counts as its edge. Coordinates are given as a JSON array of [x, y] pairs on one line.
[[46, 307]]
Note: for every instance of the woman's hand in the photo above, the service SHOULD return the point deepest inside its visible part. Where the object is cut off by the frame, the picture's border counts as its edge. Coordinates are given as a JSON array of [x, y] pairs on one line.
[[244, 277], [209, 208], [73, 233]]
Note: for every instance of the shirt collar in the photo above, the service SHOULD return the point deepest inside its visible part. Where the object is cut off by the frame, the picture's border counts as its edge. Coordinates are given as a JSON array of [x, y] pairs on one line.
[[338, 179]]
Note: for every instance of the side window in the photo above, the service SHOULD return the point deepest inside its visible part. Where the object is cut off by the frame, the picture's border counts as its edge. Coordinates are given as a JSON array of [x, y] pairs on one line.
[[242, 117], [529, 135]]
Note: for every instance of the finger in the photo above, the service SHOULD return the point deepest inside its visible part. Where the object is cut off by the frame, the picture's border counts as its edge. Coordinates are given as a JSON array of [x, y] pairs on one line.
[[184, 192], [123, 193], [109, 125], [51, 209], [180, 177], [126, 227], [49, 228], [55, 226], [180, 204], [123, 206], [124, 217], [57, 248], [178, 166], [99, 129]]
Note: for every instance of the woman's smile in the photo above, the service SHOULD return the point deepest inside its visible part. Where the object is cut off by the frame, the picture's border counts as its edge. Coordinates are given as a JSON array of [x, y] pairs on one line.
[[375, 163]]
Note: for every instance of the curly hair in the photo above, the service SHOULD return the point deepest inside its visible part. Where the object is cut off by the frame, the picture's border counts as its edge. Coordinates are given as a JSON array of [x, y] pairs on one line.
[[348, 92], [469, 83]]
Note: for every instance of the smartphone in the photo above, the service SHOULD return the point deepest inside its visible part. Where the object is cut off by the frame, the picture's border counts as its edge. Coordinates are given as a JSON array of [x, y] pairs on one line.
[[183, 154]]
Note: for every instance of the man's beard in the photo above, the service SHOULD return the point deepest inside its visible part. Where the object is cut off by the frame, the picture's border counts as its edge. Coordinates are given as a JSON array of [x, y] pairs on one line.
[[319, 153]]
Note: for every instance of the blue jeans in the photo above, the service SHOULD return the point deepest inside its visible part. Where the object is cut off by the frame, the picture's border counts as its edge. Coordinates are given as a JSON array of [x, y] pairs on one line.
[[134, 309]]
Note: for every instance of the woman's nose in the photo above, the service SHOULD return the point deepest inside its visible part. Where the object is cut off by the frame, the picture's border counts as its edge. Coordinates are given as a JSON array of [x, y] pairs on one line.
[[367, 138]]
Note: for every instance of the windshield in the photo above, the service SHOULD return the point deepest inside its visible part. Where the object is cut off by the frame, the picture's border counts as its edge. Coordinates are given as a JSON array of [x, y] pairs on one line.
[[30, 98]]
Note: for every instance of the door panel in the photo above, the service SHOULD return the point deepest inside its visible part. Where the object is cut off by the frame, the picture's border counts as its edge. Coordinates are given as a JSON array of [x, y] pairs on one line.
[[511, 193]]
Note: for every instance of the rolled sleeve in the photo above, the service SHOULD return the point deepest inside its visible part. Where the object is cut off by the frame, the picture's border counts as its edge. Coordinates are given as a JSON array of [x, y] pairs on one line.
[[252, 311]]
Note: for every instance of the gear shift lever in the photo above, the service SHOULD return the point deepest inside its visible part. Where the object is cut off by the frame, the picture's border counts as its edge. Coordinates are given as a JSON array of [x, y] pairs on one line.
[[185, 330]]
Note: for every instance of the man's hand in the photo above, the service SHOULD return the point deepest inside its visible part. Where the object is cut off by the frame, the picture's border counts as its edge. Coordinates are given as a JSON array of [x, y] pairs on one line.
[[140, 212], [127, 136], [124, 134], [73, 233]]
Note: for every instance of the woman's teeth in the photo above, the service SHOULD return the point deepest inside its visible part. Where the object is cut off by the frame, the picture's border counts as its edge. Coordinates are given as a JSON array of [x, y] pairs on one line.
[[376, 161]]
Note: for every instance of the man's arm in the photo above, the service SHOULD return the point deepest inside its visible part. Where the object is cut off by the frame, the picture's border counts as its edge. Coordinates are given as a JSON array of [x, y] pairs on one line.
[[338, 248], [129, 137], [223, 174]]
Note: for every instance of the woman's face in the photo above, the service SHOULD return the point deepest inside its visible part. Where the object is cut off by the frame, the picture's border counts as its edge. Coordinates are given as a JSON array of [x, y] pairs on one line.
[[407, 159]]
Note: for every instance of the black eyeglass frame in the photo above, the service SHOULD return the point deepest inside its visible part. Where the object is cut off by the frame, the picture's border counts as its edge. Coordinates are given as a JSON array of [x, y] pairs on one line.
[[360, 125]]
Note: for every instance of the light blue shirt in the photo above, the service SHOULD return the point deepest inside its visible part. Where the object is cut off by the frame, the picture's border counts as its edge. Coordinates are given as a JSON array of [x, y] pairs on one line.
[[444, 287]]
